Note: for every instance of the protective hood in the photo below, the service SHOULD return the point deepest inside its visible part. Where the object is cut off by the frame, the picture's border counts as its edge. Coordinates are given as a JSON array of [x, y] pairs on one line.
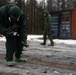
[[15, 10], [46, 12], [14, 14]]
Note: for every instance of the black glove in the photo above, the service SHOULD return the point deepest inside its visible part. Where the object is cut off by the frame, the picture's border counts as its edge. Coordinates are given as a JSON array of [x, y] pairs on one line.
[[11, 34], [24, 44]]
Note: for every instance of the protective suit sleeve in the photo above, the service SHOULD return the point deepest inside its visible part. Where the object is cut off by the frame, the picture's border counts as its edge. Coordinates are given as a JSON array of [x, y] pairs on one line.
[[23, 28], [3, 30]]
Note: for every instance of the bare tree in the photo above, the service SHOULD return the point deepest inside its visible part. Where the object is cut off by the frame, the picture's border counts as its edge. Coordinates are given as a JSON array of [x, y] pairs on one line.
[[3, 2], [63, 5], [49, 5], [74, 3]]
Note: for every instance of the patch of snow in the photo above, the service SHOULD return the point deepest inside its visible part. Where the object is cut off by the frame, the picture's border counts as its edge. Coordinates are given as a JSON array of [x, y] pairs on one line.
[[36, 38], [2, 38]]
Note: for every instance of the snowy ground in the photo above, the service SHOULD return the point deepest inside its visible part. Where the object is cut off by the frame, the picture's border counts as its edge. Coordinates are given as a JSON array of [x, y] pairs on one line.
[[41, 58], [36, 38]]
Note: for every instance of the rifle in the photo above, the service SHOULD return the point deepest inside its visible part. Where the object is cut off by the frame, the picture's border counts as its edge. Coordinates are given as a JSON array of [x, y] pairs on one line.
[[13, 29], [25, 44]]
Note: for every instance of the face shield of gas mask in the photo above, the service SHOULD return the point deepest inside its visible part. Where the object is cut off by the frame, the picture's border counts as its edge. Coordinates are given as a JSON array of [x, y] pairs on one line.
[[45, 15], [13, 18]]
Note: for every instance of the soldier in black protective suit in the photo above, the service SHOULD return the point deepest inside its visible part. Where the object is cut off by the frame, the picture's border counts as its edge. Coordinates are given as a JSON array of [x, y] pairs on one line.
[[13, 25]]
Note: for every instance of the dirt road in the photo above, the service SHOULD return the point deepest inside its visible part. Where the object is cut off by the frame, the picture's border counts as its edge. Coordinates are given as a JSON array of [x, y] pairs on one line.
[[42, 60]]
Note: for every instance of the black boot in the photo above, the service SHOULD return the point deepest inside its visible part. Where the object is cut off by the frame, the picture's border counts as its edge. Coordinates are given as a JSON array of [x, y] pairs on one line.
[[42, 43], [52, 44]]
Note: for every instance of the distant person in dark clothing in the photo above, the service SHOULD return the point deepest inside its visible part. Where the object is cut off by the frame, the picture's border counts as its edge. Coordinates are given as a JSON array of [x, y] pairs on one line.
[[47, 29], [13, 25]]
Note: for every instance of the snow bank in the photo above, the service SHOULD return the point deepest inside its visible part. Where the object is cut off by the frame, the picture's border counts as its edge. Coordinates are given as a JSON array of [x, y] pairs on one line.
[[36, 38]]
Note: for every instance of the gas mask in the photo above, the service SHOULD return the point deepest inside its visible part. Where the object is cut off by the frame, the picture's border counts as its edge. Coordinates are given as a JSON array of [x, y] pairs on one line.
[[13, 18], [45, 15]]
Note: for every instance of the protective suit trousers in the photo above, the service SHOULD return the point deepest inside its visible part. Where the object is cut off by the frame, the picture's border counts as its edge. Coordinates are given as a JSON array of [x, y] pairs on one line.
[[47, 33], [13, 47]]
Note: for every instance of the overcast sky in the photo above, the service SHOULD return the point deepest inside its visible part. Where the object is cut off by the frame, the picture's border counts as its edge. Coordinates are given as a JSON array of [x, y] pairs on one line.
[[40, 0]]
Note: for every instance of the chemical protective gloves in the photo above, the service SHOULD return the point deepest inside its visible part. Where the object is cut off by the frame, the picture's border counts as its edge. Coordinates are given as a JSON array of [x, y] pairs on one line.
[[11, 34]]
